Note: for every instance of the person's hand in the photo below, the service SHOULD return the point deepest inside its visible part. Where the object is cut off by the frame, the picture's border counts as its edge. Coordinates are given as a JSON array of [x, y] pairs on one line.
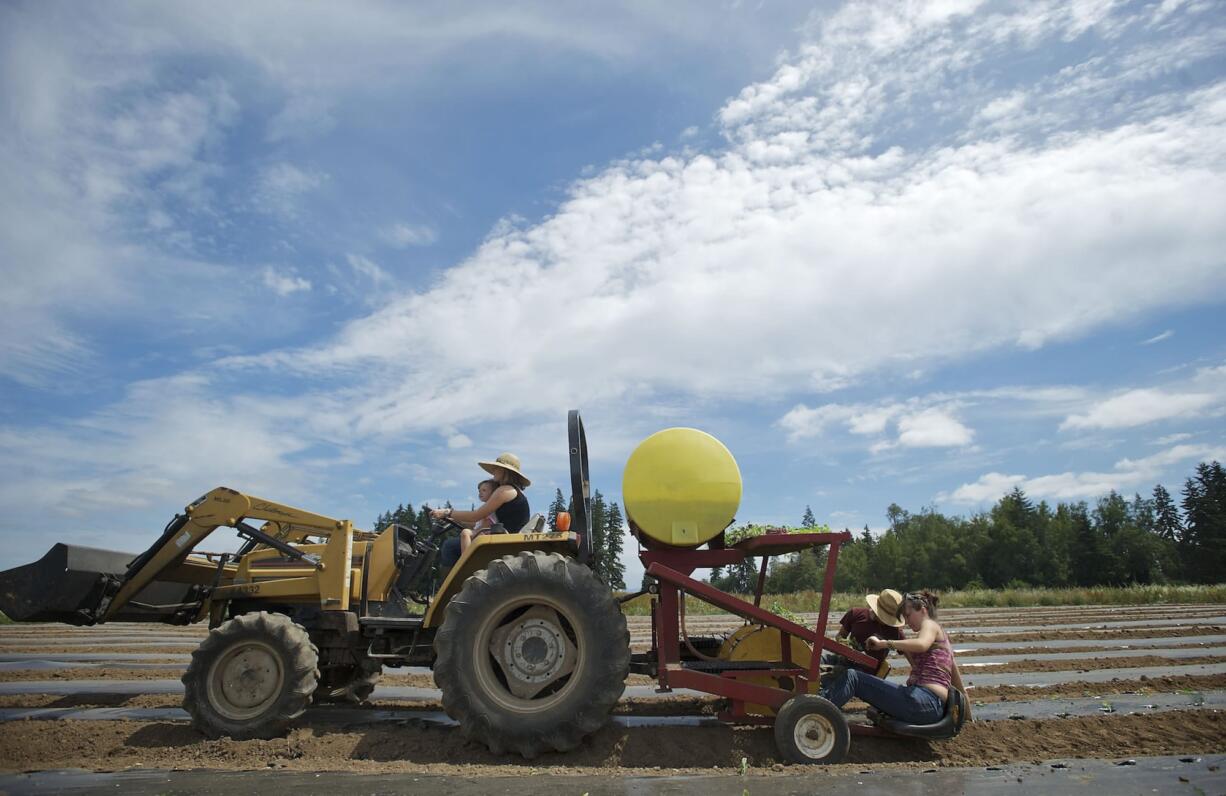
[[439, 514], [873, 643]]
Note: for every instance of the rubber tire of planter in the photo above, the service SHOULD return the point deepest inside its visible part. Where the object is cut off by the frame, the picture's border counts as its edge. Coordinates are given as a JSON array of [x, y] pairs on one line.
[[811, 730], [354, 687], [580, 705], [273, 641]]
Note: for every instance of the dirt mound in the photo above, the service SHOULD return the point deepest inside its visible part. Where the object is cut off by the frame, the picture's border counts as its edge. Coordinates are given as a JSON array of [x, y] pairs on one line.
[[88, 673], [410, 746], [54, 650], [1170, 684], [1093, 651], [1060, 633], [1088, 664]]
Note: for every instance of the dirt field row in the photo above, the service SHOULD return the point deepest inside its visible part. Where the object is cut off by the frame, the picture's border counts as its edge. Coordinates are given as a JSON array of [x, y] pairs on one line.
[[108, 746], [408, 745]]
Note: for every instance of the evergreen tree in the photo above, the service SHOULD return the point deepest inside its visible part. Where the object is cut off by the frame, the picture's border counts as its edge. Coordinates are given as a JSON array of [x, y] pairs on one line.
[[1143, 514], [615, 571], [1087, 550], [1203, 543], [1166, 515], [557, 506], [808, 520], [740, 578], [600, 520]]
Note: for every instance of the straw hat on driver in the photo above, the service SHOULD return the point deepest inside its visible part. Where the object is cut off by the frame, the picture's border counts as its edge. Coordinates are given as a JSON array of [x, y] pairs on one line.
[[508, 462], [885, 606]]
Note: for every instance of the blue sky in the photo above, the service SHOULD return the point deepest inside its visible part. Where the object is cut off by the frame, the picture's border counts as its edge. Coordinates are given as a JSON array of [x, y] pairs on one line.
[[332, 254]]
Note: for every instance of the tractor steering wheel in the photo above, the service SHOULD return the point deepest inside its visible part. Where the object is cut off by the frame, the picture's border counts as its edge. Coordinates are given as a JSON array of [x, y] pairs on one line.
[[441, 525]]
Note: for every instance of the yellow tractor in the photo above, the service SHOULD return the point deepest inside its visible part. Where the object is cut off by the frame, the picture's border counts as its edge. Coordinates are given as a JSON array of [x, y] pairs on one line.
[[529, 648]]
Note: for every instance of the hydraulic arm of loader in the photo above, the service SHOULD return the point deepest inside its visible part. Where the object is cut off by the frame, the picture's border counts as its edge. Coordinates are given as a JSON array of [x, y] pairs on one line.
[[228, 507]]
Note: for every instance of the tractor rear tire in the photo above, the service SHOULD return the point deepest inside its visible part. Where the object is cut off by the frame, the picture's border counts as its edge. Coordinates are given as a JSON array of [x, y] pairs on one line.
[[251, 677], [532, 655], [810, 729]]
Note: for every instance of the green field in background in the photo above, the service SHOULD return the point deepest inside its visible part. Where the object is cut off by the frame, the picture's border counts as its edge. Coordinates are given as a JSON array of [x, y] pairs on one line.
[[808, 601]]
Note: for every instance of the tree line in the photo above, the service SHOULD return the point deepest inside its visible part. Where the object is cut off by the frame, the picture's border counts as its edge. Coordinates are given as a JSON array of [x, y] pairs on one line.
[[1018, 543]]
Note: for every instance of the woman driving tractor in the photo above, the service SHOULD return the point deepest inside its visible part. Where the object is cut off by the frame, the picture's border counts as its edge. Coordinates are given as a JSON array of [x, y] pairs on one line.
[[508, 500]]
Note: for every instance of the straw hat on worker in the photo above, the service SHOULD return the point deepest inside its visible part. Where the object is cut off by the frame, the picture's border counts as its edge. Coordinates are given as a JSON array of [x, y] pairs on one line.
[[885, 606], [509, 463]]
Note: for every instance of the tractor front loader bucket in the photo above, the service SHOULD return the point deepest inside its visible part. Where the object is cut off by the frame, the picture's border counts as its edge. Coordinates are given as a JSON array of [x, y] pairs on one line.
[[70, 583]]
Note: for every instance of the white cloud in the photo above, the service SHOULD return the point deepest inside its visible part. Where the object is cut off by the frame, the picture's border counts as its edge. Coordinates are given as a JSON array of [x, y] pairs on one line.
[[1126, 474], [403, 235], [802, 422], [458, 440], [280, 187], [283, 284], [932, 428], [1158, 338], [919, 423], [1001, 108], [1139, 407], [1170, 439], [84, 157], [366, 267], [154, 450], [841, 232], [872, 420], [815, 248], [989, 487]]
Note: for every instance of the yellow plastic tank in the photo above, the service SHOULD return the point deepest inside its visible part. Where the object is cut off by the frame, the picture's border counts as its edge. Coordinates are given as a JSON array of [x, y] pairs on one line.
[[681, 487]]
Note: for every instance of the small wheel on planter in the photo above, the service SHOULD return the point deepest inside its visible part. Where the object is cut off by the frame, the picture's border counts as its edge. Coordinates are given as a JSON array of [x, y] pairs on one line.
[[251, 677], [810, 729]]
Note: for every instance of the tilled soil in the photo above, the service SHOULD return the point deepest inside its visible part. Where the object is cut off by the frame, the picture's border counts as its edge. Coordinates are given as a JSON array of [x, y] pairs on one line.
[[321, 741], [682, 705], [417, 680], [1059, 633], [52, 651], [1088, 664], [1092, 651], [88, 673], [1144, 685], [108, 746]]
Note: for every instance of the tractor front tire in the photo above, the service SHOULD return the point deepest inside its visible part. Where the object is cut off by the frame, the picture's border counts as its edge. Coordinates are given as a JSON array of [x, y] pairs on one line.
[[251, 677], [810, 729], [532, 655]]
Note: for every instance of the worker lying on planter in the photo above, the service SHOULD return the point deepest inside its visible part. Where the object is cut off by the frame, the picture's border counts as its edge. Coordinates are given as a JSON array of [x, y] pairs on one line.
[[858, 625], [933, 670]]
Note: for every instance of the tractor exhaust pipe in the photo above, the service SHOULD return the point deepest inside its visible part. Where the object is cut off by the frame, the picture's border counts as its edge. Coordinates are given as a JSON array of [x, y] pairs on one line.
[[70, 583]]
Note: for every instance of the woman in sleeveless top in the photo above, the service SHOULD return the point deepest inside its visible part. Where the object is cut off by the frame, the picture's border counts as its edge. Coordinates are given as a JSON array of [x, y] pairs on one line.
[[933, 669], [508, 500]]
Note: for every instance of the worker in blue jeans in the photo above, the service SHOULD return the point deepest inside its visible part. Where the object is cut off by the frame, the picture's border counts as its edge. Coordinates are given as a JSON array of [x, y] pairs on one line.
[[933, 670]]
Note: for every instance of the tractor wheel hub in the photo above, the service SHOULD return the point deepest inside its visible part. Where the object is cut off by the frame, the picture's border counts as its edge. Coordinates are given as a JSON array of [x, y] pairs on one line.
[[535, 651], [245, 680]]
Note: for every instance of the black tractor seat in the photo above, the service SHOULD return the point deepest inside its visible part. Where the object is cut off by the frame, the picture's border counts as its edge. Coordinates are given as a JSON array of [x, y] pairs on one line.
[[949, 725]]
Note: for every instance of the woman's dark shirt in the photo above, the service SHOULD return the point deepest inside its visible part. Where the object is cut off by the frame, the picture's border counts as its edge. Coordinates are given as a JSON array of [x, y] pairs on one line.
[[513, 515]]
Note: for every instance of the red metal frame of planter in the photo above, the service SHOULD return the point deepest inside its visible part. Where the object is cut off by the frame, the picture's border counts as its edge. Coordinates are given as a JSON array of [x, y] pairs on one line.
[[672, 570]]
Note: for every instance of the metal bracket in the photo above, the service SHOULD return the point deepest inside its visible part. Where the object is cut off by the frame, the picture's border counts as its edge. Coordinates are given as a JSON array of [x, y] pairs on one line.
[[256, 535]]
